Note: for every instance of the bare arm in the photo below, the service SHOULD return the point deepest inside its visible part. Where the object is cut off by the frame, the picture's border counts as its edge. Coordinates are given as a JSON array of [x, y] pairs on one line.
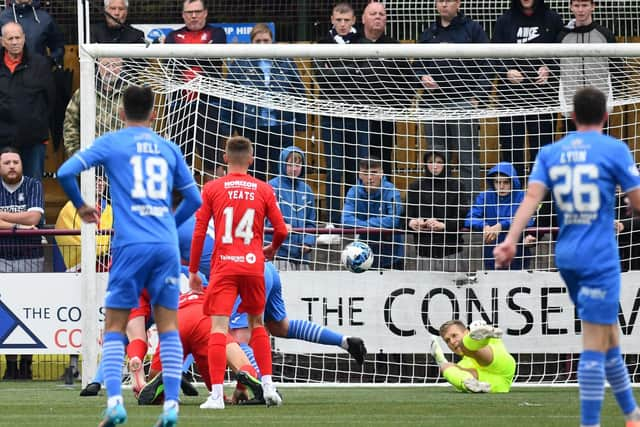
[[506, 250], [24, 218], [634, 199]]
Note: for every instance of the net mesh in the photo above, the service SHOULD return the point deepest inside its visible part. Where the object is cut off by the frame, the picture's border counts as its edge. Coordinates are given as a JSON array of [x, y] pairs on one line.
[[340, 110]]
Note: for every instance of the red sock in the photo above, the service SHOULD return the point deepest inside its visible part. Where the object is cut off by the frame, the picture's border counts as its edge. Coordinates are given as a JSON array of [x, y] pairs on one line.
[[217, 357], [261, 349], [137, 348]]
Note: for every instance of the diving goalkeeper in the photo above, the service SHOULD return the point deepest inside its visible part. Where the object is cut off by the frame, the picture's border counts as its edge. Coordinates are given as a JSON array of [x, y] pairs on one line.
[[486, 365]]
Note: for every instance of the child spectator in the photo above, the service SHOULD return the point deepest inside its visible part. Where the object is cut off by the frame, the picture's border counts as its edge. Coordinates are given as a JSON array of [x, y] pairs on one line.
[[493, 211], [297, 204], [374, 202]]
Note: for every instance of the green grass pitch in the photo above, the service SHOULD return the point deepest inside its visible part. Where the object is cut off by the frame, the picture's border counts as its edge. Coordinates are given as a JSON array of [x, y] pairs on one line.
[[51, 404]]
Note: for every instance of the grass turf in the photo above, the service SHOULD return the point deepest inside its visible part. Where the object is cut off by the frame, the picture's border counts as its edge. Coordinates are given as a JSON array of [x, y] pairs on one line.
[[51, 404]]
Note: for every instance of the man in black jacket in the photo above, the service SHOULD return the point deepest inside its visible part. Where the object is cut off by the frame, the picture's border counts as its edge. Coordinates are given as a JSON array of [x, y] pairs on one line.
[[526, 84], [114, 28], [27, 97]]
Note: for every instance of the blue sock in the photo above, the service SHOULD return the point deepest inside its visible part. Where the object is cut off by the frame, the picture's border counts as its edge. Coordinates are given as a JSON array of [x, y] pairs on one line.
[[618, 377], [188, 361], [249, 352], [112, 358], [312, 332], [171, 359], [99, 377], [591, 381]]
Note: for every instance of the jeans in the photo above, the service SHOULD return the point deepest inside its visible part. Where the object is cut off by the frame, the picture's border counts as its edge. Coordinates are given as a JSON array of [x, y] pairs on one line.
[[33, 160]]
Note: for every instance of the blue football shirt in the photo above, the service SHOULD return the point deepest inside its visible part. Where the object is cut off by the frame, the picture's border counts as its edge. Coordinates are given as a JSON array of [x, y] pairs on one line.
[[582, 171], [143, 169]]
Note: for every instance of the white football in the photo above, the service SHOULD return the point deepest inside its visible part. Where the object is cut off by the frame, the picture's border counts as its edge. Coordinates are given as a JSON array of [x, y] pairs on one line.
[[357, 257]]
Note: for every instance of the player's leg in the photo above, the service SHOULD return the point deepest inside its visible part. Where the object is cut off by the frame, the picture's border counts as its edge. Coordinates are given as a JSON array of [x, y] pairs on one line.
[[591, 371], [618, 377], [112, 356], [137, 350], [245, 373], [461, 379], [476, 341]]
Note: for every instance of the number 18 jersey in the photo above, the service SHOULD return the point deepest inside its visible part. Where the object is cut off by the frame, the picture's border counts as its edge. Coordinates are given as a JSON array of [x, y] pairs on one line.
[[239, 205], [582, 171]]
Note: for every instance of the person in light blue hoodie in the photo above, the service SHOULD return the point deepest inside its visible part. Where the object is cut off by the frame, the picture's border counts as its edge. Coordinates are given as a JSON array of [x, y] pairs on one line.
[[374, 202], [493, 211], [298, 207]]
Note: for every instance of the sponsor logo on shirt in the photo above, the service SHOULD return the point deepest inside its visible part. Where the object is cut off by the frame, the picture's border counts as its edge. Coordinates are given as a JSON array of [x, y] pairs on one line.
[[232, 258], [526, 34], [593, 293], [251, 258]]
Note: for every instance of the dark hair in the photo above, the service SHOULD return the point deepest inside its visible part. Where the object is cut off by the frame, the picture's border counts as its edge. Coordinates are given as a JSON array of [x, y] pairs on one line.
[[9, 149], [446, 325], [589, 106], [138, 103], [204, 4], [370, 163], [238, 145], [343, 7]]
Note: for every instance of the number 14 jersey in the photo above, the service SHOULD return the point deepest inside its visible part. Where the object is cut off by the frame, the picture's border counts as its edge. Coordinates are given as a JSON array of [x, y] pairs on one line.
[[239, 205]]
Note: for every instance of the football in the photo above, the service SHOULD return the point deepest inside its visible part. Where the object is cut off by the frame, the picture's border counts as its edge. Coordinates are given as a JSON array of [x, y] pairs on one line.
[[357, 257]]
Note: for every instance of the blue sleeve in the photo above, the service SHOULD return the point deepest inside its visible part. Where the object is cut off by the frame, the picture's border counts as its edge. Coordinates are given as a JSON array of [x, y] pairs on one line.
[[627, 171], [310, 239], [392, 211], [67, 178], [475, 216], [478, 35], [349, 214], [184, 183], [539, 172]]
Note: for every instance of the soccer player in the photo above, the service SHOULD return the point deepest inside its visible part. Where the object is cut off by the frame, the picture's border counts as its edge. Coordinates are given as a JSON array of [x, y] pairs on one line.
[[143, 169], [278, 325], [486, 365], [239, 204], [582, 170]]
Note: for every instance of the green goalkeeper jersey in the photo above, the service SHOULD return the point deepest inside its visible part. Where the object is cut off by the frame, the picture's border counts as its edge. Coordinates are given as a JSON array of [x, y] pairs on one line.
[[499, 373]]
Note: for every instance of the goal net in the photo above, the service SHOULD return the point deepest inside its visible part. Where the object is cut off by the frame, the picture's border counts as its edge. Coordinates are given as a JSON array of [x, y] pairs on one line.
[[374, 126]]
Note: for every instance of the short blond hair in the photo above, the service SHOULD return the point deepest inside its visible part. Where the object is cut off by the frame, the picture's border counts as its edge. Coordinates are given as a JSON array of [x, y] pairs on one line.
[[261, 28], [446, 325]]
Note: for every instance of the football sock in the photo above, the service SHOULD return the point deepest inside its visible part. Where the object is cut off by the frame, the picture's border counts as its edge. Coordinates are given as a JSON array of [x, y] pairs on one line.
[[137, 348], [188, 361], [474, 345], [112, 358], [217, 356], [591, 374], [312, 332], [171, 359], [261, 349], [99, 376], [618, 377], [248, 351]]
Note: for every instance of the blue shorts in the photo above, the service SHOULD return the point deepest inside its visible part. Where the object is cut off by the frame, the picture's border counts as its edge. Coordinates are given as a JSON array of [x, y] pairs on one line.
[[155, 267], [596, 295], [274, 308]]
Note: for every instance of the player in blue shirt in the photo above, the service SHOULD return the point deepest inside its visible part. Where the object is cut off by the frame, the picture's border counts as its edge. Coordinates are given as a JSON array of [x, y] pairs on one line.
[[582, 171], [143, 169]]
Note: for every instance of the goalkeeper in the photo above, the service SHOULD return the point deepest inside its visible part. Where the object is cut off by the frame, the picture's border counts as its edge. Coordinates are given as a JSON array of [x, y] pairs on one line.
[[486, 365]]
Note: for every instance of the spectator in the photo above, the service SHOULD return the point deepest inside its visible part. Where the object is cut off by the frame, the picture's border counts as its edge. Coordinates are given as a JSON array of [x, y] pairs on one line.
[[271, 130], [40, 29], [455, 84], [22, 205], [493, 211], [335, 78], [68, 219], [576, 73], [108, 87], [436, 208], [28, 97], [374, 202], [199, 128], [374, 78], [114, 28], [527, 21], [298, 207]]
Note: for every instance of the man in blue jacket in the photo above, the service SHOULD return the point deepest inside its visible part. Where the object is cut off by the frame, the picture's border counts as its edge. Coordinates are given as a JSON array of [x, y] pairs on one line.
[[374, 202], [455, 84], [298, 207], [493, 212]]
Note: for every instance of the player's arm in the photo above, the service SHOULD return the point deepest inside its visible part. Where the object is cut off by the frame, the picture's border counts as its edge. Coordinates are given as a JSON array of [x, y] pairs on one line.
[[190, 203], [280, 231], [506, 250], [634, 198], [197, 242]]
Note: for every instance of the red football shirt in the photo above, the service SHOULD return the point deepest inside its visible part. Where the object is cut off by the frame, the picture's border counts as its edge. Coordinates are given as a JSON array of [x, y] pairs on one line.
[[239, 205]]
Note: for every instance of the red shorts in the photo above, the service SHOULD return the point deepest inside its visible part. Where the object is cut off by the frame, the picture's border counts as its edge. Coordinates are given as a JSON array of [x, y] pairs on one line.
[[144, 307], [223, 290]]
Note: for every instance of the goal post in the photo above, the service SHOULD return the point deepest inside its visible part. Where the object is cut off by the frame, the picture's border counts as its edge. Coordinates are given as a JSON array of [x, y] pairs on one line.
[[341, 103]]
